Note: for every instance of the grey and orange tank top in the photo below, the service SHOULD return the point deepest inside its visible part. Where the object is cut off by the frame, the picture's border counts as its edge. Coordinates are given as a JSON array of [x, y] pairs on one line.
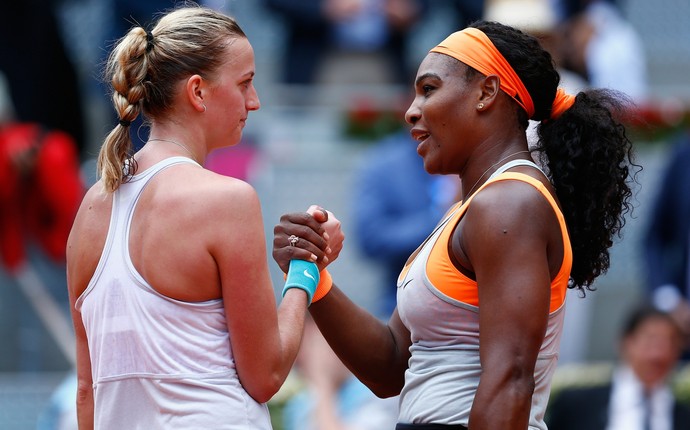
[[440, 307]]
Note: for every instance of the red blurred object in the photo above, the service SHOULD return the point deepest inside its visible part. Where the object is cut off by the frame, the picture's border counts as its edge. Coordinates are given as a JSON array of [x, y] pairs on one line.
[[40, 191]]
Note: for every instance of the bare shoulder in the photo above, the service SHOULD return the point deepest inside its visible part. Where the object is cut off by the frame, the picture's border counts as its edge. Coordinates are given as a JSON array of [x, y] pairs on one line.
[[87, 237], [510, 203], [199, 200], [94, 212], [212, 193], [502, 216]]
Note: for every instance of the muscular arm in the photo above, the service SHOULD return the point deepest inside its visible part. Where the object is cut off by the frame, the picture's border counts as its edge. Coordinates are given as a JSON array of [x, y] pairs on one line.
[[377, 353], [504, 235]]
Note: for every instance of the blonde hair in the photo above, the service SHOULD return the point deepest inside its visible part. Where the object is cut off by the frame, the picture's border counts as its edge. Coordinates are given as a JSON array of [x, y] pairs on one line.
[[144, 68]]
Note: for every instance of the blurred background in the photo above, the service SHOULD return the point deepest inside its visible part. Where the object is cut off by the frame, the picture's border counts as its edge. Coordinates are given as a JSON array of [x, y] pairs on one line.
[[334, 78]]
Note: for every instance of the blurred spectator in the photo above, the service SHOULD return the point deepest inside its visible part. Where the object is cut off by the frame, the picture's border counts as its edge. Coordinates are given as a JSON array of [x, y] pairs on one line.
[[667, 241], [396, 206], [333, 399], [370, 29], [43, 83], [538, 18], [599, 44], [639, 395], [40, 191]]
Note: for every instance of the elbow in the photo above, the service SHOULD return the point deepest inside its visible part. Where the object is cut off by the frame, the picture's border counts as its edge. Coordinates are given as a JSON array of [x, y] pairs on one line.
[[84, 403], [385, 392], [264, 390], [386, 389], [84, 393], [527, 386], [262, 397], [522, 382], [513, 381]]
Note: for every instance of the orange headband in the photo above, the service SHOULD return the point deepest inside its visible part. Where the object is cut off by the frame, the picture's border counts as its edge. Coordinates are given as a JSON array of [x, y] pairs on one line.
[[474, 48]]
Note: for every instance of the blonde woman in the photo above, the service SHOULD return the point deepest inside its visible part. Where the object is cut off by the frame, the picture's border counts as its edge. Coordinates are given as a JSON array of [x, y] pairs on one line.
[[171, 297]]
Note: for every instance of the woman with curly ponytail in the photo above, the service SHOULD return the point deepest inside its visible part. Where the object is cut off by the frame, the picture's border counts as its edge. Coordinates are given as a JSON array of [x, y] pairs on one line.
[[172, 303], [474, 340]]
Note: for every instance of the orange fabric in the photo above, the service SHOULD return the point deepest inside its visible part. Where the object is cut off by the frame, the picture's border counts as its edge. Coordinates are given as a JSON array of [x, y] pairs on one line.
[[324, 286], [448, 280], [561, 103], [474, 48]]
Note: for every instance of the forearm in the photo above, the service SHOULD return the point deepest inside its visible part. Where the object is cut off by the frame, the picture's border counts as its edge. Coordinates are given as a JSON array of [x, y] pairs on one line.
[[85, 407], [368, 347], [291, 315], [504, 407], [265, 346]]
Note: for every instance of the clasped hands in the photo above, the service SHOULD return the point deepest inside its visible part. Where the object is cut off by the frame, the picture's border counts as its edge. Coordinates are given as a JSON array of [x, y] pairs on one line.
[[320, 238]]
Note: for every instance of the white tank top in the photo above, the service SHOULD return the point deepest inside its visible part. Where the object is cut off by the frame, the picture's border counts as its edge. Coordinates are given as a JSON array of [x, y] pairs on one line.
[[157, 362]]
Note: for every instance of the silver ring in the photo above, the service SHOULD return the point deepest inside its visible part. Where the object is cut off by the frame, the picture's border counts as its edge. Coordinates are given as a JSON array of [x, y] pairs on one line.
[[293, 240]]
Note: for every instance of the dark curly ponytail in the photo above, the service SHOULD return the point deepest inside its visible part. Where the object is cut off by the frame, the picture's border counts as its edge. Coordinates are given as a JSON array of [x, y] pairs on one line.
[[588, 156], [586, 152]]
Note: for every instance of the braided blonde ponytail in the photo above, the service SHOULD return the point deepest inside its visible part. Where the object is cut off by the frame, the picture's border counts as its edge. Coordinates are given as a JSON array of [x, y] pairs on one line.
[[144, 69], [127, 66]]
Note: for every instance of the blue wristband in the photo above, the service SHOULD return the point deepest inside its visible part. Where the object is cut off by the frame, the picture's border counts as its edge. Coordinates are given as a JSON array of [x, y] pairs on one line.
[[304, 275]]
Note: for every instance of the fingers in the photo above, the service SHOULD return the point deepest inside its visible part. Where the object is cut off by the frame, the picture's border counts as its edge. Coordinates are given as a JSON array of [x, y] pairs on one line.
[[305, 227], [333, 233], [299, 236], [320, 214], [314, 235]]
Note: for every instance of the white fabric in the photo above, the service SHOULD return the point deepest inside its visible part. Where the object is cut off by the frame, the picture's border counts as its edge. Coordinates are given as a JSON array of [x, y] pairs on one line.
[[157, 363], [626, 405]]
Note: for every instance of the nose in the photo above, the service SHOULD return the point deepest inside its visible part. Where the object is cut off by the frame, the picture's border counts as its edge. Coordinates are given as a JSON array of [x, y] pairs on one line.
[[413, 113], [253, 102]]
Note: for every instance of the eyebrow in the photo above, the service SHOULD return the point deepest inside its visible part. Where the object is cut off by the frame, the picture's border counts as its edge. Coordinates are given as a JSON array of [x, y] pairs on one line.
[[425, 76]]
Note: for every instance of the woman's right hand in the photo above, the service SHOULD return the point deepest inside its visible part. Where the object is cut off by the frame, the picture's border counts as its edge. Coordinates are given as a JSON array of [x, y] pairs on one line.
[[320, 238], [332, 225]]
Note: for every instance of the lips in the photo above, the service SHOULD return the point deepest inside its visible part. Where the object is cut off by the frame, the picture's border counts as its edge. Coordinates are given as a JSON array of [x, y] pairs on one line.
[[419, 135]]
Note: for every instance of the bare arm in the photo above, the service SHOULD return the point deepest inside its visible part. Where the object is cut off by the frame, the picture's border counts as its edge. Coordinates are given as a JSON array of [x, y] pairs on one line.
[[85, 406], [264, 342], [505, 235], [375, 352], [85, 236]]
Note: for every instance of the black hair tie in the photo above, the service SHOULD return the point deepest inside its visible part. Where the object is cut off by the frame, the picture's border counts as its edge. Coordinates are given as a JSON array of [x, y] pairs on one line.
[[125, 123], [149, 41]]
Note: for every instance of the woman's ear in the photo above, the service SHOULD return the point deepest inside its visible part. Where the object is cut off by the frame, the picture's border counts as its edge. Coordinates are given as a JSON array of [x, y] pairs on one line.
[[195, 90], [490, 86]]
